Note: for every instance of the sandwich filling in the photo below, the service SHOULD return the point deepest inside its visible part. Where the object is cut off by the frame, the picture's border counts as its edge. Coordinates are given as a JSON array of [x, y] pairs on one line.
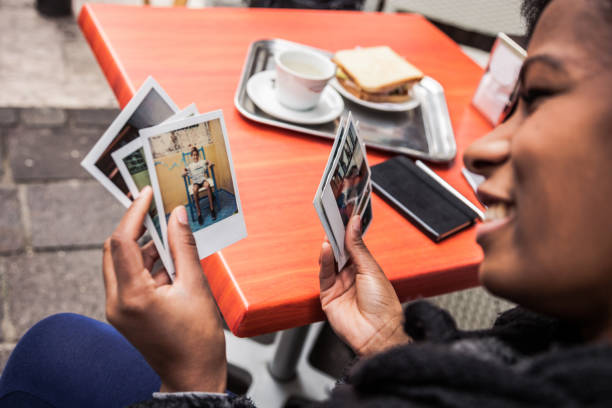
[[395, 95]]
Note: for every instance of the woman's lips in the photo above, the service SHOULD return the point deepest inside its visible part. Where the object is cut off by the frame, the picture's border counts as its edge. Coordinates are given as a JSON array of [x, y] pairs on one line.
[[496, 216]]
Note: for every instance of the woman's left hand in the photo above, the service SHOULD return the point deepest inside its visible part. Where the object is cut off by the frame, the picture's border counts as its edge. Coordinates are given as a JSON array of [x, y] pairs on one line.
[[359, 301], [176, 326]]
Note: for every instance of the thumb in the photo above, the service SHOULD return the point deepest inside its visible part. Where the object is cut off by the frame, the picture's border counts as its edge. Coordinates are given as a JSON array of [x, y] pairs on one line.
[[327, 267], [359, 253], [183, 247]]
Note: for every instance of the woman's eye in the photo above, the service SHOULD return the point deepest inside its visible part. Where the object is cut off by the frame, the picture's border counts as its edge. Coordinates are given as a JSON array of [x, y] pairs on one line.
[[533, 96]]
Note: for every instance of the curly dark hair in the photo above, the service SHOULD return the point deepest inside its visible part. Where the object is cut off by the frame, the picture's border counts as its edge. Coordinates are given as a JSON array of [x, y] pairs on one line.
[[531, 10]]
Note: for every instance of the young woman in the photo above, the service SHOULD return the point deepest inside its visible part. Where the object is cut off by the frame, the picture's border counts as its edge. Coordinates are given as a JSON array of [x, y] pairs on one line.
[[547, 243], [197, 171]]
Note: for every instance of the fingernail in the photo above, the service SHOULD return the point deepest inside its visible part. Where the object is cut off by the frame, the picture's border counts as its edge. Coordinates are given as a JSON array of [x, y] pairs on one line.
[[357, 224], [144, 191], [181, 215], [324, 248]]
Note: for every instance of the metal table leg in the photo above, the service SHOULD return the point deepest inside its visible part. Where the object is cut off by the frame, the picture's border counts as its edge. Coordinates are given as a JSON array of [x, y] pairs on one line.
[[288, 352], [287, 358]]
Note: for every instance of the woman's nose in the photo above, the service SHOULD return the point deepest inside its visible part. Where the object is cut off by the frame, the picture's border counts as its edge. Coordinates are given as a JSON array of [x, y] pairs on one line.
[[486, 154]]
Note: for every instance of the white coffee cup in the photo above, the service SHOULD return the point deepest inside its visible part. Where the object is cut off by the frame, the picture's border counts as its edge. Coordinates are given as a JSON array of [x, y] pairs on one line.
[[301, 77]]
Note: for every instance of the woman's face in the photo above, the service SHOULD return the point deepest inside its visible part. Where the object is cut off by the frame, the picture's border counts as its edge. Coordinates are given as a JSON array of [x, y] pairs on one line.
[[548, 245], [195, 156]]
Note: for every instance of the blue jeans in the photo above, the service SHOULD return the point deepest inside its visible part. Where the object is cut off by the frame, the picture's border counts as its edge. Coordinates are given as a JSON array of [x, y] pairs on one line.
[[68, 360]]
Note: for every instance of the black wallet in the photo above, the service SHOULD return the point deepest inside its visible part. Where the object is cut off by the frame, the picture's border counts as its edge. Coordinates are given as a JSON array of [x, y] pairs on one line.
[[421, 198]]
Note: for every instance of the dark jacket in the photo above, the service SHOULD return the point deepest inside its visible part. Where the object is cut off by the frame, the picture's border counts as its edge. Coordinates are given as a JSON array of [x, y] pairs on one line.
[[524, 360]]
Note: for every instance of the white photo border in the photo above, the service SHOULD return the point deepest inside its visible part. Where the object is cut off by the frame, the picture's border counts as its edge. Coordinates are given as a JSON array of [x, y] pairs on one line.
[[328, 200], [220, 234], [317, 201], [124, 151], [118, 156], [89, 162]]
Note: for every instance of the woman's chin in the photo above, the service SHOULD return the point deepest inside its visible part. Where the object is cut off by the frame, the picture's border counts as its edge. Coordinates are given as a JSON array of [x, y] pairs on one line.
[[499, 278]]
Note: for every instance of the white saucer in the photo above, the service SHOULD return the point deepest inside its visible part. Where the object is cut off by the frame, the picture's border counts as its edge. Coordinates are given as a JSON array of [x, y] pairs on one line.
[[261, 88], [381, 106]]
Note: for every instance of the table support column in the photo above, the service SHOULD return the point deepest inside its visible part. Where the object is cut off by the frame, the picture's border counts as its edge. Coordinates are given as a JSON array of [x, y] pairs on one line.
[[287, 354]]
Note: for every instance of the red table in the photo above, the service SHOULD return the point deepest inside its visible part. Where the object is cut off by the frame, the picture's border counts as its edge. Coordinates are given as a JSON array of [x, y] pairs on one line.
[[269, 281]]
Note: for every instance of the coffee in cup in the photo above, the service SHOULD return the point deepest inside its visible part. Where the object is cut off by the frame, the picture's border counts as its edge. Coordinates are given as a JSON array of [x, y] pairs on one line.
[[301, 77]]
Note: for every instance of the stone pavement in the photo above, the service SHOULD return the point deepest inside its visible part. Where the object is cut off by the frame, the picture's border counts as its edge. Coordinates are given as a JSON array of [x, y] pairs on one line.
[[53, 217], [54, 104], [46, 61]]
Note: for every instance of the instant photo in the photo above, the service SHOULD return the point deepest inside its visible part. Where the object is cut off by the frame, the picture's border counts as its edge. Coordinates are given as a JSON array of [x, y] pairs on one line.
[[132, 166], [190, 164], [150, 106], [349, 180], [345, 188], [130, 161], [317, 202]]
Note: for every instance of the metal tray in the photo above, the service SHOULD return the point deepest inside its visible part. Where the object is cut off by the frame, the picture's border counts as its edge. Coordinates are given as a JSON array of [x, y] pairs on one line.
[[424, 132]]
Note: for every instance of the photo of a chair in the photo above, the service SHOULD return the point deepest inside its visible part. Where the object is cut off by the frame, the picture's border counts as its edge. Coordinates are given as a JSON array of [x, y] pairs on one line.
[[210, 177]]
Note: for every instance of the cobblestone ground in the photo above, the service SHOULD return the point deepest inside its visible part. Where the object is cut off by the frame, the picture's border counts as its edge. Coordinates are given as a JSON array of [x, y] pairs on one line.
[[46, 61], [53, 216]]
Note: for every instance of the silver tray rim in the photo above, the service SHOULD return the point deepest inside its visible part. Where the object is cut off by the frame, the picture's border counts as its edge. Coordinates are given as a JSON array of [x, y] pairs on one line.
[[437, 155]]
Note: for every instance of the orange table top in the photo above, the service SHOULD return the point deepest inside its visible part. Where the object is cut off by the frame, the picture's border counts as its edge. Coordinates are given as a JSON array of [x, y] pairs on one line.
[[269, 281]]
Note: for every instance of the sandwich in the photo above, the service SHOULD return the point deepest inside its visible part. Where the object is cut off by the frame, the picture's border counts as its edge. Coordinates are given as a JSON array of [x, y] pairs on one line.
[[376, 74]]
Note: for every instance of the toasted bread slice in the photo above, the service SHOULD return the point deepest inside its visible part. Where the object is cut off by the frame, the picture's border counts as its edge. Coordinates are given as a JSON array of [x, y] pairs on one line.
[[376, 69]]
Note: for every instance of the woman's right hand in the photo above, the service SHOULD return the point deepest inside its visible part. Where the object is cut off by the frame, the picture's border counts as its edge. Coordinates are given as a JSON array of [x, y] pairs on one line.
[[176, 326], [359, 301]]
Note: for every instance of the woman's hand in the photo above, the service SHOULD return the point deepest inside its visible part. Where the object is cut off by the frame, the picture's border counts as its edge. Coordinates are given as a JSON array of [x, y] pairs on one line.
[[359, 301], [176, 326]]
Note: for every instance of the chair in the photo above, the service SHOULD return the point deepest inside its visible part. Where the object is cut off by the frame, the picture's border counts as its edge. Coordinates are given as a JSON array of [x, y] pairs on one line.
[[472, 24], [485, 17], [210, 176]]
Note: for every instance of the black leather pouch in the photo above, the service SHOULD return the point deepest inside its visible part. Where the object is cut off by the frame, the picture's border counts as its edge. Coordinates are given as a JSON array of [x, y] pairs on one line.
[[421, 198]]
